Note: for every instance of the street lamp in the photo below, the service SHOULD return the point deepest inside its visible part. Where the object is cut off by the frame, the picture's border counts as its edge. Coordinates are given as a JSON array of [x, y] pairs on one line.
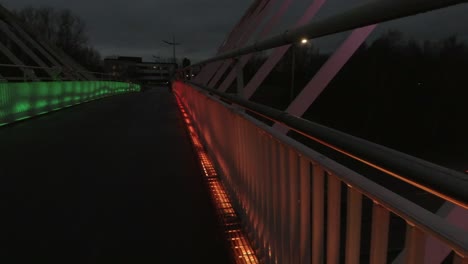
[[303, 42]]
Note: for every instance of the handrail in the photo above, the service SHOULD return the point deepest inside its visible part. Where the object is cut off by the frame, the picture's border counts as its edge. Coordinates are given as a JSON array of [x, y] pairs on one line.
[[366, 14], [445, 183]]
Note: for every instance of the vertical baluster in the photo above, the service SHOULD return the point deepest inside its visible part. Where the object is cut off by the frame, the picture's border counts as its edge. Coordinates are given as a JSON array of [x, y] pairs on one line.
[[293, 205], [246, 183], [305, 196], [271, 193], [234, 155], [317, 213], [333, 222], [240, 183], [276, 205], [232, 145], [249, 148], [266, 192], [276, 196], [379, 234], [231, 156], [353, 226], [414, 244], [243, 169], [249, 160], [255, 201], [256, 174], [274, 222], [239, 161], [279, 234], [263, 192], [283, 203]]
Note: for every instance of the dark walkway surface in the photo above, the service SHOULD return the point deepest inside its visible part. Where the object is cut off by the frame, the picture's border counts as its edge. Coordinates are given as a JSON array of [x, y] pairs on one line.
[[111, 181]]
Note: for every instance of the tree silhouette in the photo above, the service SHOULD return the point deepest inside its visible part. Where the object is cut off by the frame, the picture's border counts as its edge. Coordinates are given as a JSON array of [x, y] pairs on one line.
[[65, 30], [186, 62]]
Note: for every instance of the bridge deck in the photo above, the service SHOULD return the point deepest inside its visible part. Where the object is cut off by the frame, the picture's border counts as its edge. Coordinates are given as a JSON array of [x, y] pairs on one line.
[[112, 180]]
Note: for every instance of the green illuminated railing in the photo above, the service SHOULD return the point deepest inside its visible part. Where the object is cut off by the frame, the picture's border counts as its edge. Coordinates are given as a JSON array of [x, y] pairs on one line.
[[19, 101]]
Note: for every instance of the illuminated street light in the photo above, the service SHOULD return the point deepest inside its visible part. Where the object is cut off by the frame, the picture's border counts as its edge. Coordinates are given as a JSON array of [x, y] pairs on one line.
[[293, 65]]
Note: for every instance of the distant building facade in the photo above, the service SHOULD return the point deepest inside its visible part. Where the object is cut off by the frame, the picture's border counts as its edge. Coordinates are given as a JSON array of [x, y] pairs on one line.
[[133, 69]]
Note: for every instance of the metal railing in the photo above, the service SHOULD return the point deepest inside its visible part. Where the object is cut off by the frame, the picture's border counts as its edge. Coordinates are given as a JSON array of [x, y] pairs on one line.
[[290, 196], [280, 185], [447, 184]]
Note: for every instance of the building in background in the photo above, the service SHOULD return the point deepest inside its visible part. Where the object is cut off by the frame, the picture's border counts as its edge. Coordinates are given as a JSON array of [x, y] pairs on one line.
[[134, 69]]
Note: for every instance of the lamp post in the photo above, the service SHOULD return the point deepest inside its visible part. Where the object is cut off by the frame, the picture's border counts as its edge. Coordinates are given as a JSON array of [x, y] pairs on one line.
[[293, 66], [173, 44]]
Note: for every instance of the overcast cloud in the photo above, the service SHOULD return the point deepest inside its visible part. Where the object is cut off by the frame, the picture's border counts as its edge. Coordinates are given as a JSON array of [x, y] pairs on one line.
[[136, 27]]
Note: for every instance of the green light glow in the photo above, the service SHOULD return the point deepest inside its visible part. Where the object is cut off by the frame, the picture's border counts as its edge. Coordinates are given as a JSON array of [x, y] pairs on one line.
[[21, 107], [41, 104], [19, 101]]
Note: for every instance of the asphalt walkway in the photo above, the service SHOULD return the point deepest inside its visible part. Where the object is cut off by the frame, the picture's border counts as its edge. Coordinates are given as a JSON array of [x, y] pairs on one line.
[[110, 181]]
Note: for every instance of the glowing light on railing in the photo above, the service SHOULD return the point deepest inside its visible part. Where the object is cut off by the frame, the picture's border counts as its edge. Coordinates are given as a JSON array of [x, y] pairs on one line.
[[19, 101], [240, 245]]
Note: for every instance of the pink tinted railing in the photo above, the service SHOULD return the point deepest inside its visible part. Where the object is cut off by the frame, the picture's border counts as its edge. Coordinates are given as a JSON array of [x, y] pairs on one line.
[[280, 185]]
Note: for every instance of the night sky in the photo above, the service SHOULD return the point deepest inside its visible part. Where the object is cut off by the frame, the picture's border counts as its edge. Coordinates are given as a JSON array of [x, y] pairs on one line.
[[136, 28]]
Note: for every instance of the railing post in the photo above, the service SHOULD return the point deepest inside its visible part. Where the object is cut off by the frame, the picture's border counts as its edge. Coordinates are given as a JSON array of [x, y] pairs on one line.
[[305, 212], [379, 234], [333, 222], [353, 226], [284, 204], [263, 197], [276, 203], [318, 186], [271, 200], [414, 244], [294, 253]]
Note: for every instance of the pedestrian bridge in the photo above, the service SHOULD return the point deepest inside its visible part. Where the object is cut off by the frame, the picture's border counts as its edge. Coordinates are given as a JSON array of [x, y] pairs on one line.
[[95, 170]]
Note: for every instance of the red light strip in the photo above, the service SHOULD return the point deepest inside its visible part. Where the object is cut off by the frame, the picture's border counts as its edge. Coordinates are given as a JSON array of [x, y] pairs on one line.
[[240, 246]]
